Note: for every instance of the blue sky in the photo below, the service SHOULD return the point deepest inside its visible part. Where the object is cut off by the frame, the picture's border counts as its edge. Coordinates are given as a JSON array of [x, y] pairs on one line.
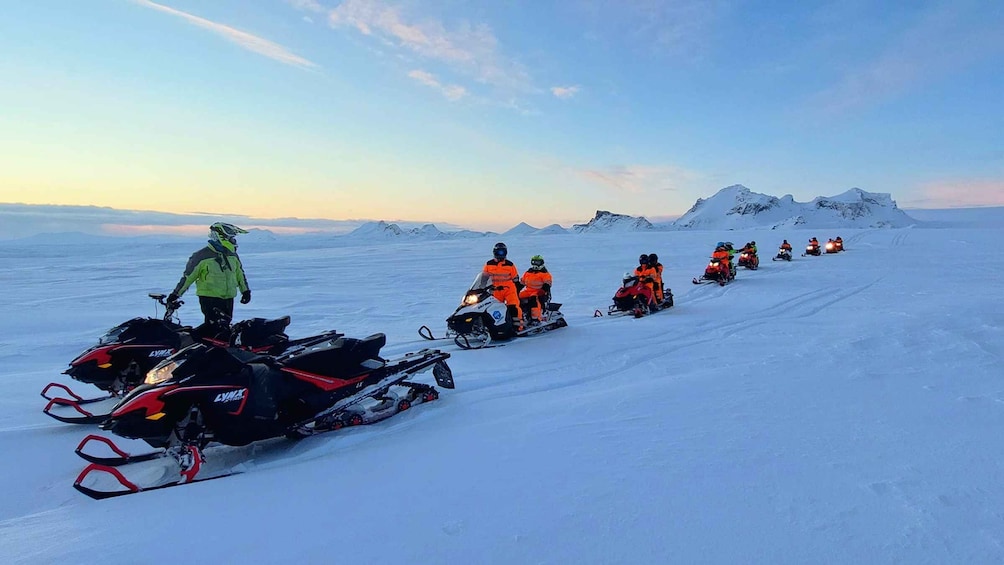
[[484, 114]]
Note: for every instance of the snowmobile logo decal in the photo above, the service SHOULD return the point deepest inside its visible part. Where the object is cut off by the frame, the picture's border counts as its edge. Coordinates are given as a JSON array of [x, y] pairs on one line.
[[231, 396], [160, 353], [497, 314]]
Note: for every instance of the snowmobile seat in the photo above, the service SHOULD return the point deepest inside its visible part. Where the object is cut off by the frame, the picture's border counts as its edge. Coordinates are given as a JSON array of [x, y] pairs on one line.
[[260, 332], [337, 358]]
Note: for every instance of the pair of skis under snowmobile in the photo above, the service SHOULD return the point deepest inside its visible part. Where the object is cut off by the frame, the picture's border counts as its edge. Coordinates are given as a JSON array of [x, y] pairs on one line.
[[482, 320]]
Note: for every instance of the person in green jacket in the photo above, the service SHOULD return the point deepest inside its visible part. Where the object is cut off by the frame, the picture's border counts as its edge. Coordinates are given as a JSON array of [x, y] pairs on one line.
[[218, 274]]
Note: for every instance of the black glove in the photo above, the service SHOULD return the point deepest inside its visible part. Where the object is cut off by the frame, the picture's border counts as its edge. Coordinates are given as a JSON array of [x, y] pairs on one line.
[[546, 288], [172, 298], [245, 297]]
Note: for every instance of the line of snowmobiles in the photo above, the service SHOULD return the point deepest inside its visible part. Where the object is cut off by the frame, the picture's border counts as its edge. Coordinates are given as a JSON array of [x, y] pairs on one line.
[[189, 391]]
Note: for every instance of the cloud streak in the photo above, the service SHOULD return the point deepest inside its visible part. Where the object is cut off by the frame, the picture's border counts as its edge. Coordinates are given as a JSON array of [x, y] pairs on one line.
[[564, 92], [469, 48], [966, 193], [243, 39], [450, 91], [640, 179]]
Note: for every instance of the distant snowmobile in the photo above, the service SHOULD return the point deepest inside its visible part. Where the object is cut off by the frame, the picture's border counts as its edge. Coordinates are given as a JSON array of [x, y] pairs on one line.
[[205, 394], [716, 272], [812, 249], [481, 318], [124, 354], [636, 298], [831, 247], [783, 255], [749, 260]]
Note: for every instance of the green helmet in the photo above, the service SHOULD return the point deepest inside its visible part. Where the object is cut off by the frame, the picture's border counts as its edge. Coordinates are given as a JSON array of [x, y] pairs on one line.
[[536, 262], [225, 234]]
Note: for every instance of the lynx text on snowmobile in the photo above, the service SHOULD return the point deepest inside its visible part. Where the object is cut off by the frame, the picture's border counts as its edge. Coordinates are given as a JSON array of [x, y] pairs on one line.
[[636, 298], [124, 354], [481, 318], [782, 255], [235, 397]]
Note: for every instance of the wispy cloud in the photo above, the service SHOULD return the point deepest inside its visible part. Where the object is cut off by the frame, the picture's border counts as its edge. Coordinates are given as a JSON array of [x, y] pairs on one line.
[[451, 91], [564, 92], [309, 5], [641, 179], [469, 48], [244, 39], [964, 193], [942, 41]]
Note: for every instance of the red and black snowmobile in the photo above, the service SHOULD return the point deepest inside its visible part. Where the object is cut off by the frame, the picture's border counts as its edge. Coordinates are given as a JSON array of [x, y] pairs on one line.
[[831, 246], [235, 397], [637, 298], [812, 249], [124, 354], [838, 244], [749, 260], [717, 271]]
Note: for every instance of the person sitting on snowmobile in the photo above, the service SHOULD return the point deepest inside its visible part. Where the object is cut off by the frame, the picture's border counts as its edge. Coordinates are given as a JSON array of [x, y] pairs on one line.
[[653, 261], [505, 279], [218, 274], [814, 242], [647, 275], [785, 245], [537, 290], [723, 256]]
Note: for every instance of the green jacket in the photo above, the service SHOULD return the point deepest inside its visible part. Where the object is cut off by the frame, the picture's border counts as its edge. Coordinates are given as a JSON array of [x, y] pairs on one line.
[[216, 274]]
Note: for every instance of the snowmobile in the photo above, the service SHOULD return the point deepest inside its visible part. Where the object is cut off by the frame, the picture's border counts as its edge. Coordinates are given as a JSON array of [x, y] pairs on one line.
[[812, 249], [783, 255], [125, 353], [236, 397], [749, 260], [831, 246], [838, 244], [716, 272], [636, 298], [481, 318]]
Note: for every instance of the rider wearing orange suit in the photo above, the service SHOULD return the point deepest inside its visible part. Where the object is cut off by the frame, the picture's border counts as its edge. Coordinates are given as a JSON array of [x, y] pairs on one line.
[[505, 277]]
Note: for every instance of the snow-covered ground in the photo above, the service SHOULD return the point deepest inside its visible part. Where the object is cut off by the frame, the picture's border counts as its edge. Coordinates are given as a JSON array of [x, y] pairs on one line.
[[835, 409]]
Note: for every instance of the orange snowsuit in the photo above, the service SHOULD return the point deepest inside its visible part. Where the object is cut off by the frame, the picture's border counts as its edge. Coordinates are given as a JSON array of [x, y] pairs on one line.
[[534, 292], [504, 277], [723, 257], [786, 246], [652, 278]]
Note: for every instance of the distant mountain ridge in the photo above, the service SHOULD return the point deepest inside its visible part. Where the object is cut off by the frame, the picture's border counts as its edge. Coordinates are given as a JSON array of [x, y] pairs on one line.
[[737, 207], [605, 221]]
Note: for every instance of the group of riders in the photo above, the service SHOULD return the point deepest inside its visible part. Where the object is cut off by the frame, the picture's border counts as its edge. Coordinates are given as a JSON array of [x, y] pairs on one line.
[[532, 291]]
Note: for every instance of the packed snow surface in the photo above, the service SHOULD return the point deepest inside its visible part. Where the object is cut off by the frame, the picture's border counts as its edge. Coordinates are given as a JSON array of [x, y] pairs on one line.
[[839, 409]]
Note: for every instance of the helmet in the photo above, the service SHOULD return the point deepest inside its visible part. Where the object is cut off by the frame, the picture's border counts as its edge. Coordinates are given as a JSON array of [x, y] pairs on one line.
[[225, 234], [500, 250], [785, 241], [643, 259], [629, 279], [720, 244], [653, 259], [752, 243], [536, 263]]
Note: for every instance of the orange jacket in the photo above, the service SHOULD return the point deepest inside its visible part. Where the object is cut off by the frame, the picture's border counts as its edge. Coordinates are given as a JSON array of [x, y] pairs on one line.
[[535, 280], [722, 256], [786, 246], [503, 273], [647, 272]]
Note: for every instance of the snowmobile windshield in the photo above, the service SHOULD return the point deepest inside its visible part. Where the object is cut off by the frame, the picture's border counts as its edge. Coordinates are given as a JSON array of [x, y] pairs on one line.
[[482, 282], [111, 335]]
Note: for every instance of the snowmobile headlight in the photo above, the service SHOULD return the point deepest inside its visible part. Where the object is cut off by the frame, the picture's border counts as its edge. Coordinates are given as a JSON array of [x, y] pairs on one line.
[[471, 299], [160, 373]]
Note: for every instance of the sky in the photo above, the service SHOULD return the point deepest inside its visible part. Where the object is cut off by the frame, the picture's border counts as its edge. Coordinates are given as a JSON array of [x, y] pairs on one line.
[[484, 114]]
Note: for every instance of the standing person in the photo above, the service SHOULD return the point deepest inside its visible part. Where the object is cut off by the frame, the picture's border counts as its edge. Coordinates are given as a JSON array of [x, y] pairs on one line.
[[505, 277], [538, 288], [218, 275]]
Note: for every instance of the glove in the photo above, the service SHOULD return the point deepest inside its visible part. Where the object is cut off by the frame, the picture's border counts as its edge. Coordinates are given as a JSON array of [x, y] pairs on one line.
[[546, 288], [172, 298], [245, 297]]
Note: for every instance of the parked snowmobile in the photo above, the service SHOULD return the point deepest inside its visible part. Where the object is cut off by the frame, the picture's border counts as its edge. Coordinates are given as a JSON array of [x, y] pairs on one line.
[[481, 318], [125, 353], [235, 397], [716, 272], [783, 255], [636, 298], [749, 260], [812, 249]]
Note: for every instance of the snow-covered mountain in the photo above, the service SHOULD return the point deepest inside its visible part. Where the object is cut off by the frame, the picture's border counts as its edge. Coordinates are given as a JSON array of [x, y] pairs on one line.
[[384, 230], [737, 207], [605, 221], [551, 229], [522, 229]]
